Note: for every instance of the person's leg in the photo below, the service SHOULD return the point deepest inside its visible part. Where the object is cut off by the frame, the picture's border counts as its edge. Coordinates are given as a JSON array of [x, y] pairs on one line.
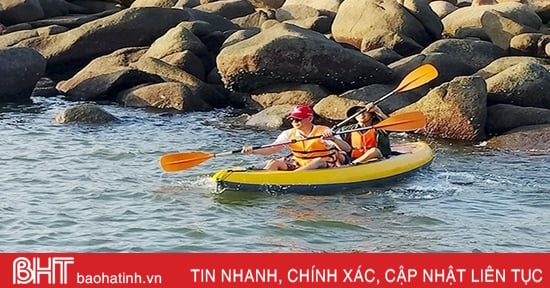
[[342, 159], [371, 154], [314, 164], [276, 164]]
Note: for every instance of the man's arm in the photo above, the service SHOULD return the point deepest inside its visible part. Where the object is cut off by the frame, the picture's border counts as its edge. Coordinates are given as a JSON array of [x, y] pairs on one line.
[[283, 138], [338, 142], [341, 144]]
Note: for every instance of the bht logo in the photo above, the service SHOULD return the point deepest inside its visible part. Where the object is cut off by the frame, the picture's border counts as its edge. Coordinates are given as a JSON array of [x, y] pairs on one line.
[[27, 271]]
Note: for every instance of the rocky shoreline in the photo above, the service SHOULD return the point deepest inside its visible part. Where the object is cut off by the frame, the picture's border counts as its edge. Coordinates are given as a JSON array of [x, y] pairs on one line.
[[267, 55]]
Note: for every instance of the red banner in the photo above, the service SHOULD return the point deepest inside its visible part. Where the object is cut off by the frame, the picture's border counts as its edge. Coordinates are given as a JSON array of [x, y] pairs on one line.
[[403, 270]]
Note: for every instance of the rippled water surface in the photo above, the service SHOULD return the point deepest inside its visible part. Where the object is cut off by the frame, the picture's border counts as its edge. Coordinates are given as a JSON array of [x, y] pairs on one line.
[[100, 188]]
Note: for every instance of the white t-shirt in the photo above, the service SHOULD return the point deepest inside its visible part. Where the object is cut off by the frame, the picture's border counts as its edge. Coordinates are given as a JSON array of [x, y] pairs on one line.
[[285, 137]]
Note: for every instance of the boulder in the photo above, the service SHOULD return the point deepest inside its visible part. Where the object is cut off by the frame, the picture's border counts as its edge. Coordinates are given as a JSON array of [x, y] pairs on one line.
[[228, 8], [503, 63], [20, 11], [270, 118], [502, 29], [371, 24], [525, 84], [279, 94], [20, 70], [505, 117], [471, 16], [534, 138], [167, 96], [287, 53], [454, 110], [84, 114], [105, 76], [107, 34]]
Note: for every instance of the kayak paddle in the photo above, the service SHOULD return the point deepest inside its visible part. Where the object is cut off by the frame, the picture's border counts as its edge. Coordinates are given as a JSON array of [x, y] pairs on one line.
[[178, 161], [416, 78]]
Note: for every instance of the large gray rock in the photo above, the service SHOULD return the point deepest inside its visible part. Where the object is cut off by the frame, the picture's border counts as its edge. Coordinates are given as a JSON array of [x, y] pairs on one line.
[[127, 28], [501, 29], [105, 86], [228, 8], [468, 17], [372, 24], [503, 63], [505, 117], [170, 73], [534, 138], [454, 110], [105, 76], [177, 39], [451, 57], [167, 95], [20, 11], [524, 84], [84, 114], [286, 53], [475, 54], [20, 70]]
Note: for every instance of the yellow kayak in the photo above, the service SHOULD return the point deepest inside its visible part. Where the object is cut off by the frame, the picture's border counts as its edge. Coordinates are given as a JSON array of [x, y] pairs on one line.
[[410, 157]]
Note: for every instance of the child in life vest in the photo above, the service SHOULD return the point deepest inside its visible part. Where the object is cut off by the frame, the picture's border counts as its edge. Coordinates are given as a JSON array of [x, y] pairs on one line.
[[370, 144]]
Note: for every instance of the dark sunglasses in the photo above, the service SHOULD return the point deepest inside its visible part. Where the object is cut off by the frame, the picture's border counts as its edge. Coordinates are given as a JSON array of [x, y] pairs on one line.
[[294, 119]]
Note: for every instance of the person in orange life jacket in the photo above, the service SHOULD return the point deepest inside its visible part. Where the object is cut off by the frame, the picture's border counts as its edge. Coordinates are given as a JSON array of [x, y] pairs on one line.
[[310, 154], [367, 144]]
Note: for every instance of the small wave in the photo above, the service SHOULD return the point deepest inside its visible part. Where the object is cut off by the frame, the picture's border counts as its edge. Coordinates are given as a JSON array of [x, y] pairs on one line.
[[183, 183], [327, 224], [421, 192], [202, 182], [459, 178]]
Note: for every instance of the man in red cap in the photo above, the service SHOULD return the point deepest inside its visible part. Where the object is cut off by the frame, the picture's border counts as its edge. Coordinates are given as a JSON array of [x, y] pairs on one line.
[[315, 153]]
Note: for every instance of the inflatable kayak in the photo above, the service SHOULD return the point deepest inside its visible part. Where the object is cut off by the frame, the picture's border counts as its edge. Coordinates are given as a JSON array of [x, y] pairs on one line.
[[406, 158]]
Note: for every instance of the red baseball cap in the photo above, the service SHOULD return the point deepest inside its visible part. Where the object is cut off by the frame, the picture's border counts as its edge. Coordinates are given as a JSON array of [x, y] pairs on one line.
[[301, 112]]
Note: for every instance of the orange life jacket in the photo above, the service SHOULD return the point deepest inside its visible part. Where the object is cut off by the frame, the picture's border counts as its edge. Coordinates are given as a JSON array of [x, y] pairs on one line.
[[305, 151], [361, 142]]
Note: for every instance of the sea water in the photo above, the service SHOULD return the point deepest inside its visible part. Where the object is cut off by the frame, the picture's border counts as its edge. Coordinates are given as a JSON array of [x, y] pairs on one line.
[[79, 188]]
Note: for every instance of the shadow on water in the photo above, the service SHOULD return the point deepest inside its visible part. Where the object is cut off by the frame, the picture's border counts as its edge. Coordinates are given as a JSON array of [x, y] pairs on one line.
[[18, 113], [244, 198], [378, 197]]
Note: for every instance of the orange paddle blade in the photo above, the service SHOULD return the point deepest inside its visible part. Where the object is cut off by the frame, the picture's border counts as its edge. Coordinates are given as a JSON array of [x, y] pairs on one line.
[[174, 162], [418, 77], [406, 121]]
